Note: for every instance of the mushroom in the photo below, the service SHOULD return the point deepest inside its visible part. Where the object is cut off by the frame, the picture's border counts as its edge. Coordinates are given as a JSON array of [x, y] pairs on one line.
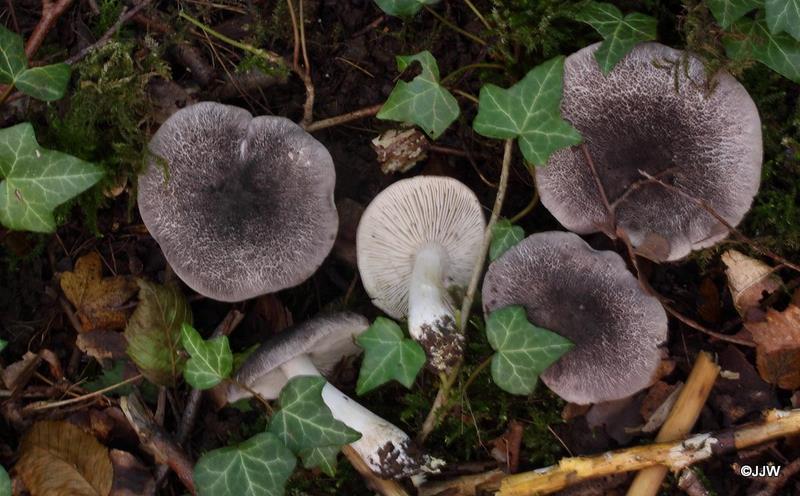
[[656, 113], [314, 348], [417, 239], [240, 205], [590, 298]]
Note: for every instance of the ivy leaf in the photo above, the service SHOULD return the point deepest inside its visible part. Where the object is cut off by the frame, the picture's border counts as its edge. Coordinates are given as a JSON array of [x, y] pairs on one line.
[[305, 421], [523, 350], [36, 180], [3, 344], [388, 355], [504, 236], [620, 34], [423, 100], [751, 39], [530, 111], [323, 457], [154, 332], [783, 15], [259, 466], [403, 8], [211, 361], [12, 55], [48, 83], [726, 12], [5, 482]]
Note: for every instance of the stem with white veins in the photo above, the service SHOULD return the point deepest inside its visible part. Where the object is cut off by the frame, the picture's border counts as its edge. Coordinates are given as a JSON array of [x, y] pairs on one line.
[[430, 309], [383, 446]]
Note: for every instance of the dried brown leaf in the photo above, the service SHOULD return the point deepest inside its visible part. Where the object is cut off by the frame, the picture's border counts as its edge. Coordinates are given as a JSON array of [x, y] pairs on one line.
[[97, 299], [777, 341], [748, 280], [59, 459]]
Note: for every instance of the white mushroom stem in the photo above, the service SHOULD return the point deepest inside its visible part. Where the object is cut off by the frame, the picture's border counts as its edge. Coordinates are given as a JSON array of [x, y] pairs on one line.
[[383, 446], [431, 320]]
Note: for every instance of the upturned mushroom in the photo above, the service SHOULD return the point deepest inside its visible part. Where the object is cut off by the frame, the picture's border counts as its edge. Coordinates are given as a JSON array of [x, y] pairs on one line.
[[240, 205], [656, 113], [589, 297], [419, 238], [314, 348]]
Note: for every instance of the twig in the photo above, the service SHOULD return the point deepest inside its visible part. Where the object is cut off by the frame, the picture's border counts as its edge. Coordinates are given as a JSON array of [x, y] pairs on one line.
[[343, 119], [675, 455], [478, 14], [705, 206], [601, 190], [381, 486], [156, 441], [680, 421], [691, 484], [39, 406], [125, 16], [454, 27], [50, 14], [447, 381]]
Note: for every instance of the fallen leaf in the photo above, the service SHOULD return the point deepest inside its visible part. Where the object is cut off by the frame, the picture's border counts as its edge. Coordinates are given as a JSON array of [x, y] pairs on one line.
[[57, 458], [19, 373], [97, 299], [778, 346], [102, 345], [748, 280], [505, 449], [131, 478], [154, 332], [743, 396], [399, 150]]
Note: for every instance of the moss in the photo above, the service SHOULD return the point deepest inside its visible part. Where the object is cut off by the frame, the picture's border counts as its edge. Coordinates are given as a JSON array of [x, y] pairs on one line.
[[106, 120]]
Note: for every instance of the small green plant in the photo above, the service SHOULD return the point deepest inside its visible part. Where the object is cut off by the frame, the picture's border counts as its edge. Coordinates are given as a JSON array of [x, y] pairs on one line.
[[46, 83], [505, 236], [36, 180], [210, 361], [388, 355], [403, 8]]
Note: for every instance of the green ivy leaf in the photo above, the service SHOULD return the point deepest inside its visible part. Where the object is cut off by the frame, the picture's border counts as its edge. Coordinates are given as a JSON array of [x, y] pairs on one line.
[[530, 111], [5, 482], [751, 39], [388, 355], [504, 236], [403, 8], [154, 332], [211, 361], [3, 344], [259, 466], [620, 34], [323, 457], [12, 55], [48, 83], [523, 350], [783, 15], [305, 421], [726, 12], [423, 100], [36, 180]]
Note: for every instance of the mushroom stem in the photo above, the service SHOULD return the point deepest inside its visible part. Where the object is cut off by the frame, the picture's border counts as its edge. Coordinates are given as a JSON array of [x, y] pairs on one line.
[[387, 450], [430, 309]]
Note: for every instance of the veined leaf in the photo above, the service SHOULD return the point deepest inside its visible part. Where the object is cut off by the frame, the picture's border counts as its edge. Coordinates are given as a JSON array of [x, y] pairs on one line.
[[154, 332], [305, 421], [752, 39], [529, 111], [423, 100], [726, 12], [403, 8], [36, 180], [5, 482], [12, 55], [504, 236], [3, 344], [388, 355], [259, 466], [523, 350], [620, 33], [47, 83], [211, 361], [324, 458], [783, 15]]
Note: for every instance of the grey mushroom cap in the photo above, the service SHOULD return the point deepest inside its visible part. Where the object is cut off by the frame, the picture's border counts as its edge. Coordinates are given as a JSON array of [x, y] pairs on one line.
[[326, 339], [659, 113], [240, 205], [589, 297]]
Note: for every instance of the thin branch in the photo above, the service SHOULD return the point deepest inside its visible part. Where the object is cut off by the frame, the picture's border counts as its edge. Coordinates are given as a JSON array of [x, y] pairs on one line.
[[39, 406], [478, 14], [601, 190], [124, 17], [343, 119], [454, 27], [50, 14]]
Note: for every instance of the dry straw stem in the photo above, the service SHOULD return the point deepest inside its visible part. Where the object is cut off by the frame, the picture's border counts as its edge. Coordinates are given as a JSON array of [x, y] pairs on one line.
[[680, 421], [675, 455], [384, 487]]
